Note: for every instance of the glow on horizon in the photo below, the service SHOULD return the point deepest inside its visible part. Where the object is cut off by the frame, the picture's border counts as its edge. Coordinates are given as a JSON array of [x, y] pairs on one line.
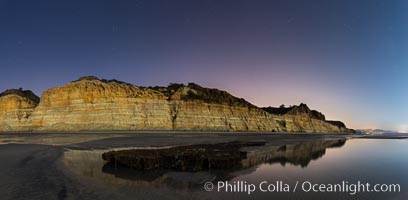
[[403, 128]]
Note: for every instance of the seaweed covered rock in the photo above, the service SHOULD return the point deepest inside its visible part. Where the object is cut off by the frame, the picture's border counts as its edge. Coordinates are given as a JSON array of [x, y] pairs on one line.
[[183, 158]]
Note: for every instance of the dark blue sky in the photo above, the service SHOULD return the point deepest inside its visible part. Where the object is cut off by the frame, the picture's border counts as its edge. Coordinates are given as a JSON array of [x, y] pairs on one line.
[[347, 59]]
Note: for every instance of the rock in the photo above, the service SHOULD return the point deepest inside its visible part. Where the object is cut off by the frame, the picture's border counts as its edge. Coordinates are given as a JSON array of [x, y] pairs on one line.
[[16, 107], [92, 104], [183, 158], [301, 118]]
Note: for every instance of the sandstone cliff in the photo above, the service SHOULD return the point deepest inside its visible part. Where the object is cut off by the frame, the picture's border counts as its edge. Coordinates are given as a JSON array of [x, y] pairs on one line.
[[96, 104], [304, 119], [16, 107]]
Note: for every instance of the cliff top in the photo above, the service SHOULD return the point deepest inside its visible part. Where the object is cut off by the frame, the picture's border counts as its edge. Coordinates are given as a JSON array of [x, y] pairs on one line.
[[295, 110], [337, 123], [94, 78], [193, 91], [23, 93]]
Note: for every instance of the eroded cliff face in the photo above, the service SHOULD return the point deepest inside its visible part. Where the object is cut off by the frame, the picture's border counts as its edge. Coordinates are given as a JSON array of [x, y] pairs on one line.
[[93, 104], [16, 107], [103, 105], [302, 118]]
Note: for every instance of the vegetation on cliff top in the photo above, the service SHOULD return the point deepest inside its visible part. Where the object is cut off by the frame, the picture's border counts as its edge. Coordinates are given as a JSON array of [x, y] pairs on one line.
[[302, 109], [23, 93], [209, 95], [337, 123], [92, 78], [177, 91], [193, 91]]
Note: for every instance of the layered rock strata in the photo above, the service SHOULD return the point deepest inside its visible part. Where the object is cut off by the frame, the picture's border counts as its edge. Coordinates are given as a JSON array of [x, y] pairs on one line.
[[16, 107], [92, 104]]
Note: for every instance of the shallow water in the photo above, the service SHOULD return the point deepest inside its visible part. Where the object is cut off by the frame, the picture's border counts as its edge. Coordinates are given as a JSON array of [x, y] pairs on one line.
[[373, 161]]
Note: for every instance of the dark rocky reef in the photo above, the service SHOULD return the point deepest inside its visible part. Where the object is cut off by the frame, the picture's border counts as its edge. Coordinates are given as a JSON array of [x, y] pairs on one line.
[[183, 158], [23, 93], [302, 109]]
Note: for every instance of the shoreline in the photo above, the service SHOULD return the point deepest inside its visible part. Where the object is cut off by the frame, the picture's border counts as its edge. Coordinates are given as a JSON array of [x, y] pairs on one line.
[[128, 139], [116, 139]]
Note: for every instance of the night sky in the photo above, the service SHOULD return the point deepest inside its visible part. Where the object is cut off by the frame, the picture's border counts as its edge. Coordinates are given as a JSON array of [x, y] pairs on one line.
[[347, 59]]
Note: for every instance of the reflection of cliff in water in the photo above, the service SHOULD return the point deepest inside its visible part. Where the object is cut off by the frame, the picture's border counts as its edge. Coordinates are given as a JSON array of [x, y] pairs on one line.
[[89, 164], [296, 154]]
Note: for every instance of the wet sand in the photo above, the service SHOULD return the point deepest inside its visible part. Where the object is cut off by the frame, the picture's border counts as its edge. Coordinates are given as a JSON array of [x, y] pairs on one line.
[[31, 171], [106, 140]]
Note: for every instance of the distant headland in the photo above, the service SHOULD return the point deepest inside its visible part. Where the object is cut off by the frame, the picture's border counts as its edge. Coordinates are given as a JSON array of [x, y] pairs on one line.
[[93, 104]]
